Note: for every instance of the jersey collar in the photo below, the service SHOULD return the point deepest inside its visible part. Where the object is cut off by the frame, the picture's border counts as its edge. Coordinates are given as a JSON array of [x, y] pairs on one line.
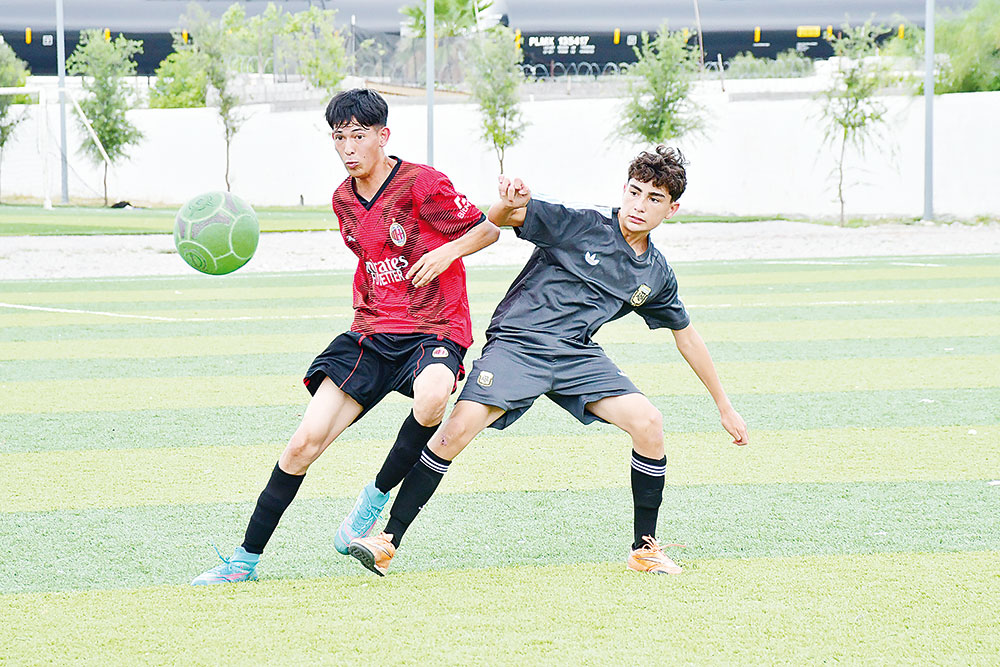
[[369, 203]]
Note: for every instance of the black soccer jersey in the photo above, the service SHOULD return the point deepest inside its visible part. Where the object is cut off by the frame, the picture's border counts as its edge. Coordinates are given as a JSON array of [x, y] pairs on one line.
[[582, 274]]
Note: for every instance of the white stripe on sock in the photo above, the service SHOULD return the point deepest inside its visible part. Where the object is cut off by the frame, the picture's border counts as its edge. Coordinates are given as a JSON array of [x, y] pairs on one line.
[[647, 469], [435, 466]]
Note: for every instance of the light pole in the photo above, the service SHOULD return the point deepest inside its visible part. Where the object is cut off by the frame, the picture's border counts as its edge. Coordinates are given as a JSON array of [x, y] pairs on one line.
[[429, 30], [929, 111], [61, 65]]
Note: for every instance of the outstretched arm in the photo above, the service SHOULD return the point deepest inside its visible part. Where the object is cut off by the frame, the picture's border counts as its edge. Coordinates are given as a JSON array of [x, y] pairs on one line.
[[510, 209], [435, 262], [693, 349]]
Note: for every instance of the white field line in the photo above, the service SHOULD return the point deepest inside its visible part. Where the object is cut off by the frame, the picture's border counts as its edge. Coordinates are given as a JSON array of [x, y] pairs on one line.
[[257, 318]]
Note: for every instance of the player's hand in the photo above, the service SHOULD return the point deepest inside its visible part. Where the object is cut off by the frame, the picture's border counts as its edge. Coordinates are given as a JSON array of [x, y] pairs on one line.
[[735, 426], [514, 193], [431, 265]]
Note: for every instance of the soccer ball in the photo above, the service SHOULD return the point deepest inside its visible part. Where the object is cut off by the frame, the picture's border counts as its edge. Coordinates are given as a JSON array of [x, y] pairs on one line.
[[216, 232]]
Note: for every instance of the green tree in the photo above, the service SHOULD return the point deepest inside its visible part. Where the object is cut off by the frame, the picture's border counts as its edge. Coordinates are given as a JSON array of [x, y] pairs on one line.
[[318, 46], [851, 112], [181, 81], [13, 74], [494, 80], [104, 64], [658, 107], [972, 43], [216, 41], [451, 17]]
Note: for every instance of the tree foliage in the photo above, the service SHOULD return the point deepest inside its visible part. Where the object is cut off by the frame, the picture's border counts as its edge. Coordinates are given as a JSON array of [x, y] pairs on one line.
[[494, 80], [318, 47], [451, 17], [658, 107], [851, 112], [787, 64], [216, 44], [181, 81], [104, 66], [972, 43], [13, 74]]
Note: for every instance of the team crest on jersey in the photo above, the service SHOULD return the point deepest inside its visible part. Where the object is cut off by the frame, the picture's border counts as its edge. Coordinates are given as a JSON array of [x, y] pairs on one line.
[[440, 352], [640, 295], [485, 379], [397, 234]]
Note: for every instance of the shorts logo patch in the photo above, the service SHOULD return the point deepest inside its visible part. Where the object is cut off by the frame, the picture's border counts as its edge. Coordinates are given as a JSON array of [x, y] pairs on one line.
[[485, 379], [640, 295], [397, 234], [440, 352]]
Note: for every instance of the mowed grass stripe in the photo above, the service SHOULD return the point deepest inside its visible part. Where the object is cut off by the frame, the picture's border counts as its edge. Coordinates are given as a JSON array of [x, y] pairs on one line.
[[209, 347], [240, 297], [626, 330], [258, 425], [132, 363], [78, 479], [152, 545], [897, 608], [659, 379]]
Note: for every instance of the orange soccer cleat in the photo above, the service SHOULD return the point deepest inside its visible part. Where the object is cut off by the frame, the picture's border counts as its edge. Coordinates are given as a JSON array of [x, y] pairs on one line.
[[374, 552], [650, 558]]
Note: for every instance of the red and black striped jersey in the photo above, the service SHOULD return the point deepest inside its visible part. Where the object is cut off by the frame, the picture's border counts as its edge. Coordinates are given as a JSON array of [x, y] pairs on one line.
[[416, 210]]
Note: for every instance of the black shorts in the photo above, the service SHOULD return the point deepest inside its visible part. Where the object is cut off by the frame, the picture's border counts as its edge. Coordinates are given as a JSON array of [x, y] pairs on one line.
[[511, 376], [367, 368]]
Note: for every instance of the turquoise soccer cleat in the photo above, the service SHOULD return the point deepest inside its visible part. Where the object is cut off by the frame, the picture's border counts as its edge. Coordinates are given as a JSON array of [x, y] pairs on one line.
[[241, 566], [361, 520]]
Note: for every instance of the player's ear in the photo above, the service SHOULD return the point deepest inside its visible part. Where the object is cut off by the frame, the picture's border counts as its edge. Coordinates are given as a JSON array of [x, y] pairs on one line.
[[383, 137], [673, 209]]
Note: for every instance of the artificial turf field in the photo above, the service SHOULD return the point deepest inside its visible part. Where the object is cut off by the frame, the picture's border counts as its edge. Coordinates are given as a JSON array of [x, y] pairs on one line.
[[139, 419]]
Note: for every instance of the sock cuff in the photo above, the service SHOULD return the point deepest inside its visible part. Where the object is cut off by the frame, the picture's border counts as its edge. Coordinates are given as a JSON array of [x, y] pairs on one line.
[[434, 462], [411, 422], [648, 466], [285, 479]]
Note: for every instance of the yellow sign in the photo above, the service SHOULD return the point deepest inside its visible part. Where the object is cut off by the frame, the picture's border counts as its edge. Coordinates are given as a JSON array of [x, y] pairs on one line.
[[618, 35], [807, 31], [902, 30], [27, 35], [107, 35], [756, 34]]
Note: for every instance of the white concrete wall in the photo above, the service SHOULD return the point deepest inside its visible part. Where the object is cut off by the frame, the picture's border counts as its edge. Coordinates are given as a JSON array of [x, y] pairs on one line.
[[757, 157]]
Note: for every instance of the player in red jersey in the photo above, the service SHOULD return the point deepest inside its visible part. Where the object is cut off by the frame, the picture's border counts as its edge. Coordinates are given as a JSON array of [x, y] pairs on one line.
[[409, 229]]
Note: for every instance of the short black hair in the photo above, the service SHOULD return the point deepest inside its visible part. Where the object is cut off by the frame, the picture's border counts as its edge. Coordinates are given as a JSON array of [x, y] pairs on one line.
[[664, 169], [363, 105]]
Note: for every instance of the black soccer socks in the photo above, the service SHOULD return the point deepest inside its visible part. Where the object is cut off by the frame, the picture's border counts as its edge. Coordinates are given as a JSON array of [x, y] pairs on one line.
[[418, 487], [272, 503], [405, 452], [648, 476]]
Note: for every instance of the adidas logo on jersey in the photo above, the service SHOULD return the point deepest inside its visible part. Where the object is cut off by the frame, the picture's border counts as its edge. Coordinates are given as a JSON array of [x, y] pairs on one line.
[[591, 259]]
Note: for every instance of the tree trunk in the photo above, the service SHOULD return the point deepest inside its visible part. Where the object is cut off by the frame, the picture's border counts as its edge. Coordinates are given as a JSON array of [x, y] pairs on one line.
[[228, 142], [105, 183], [840, 177]]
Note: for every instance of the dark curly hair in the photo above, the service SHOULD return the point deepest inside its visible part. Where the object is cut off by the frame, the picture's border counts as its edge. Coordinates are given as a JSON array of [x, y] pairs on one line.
[[664, 169]]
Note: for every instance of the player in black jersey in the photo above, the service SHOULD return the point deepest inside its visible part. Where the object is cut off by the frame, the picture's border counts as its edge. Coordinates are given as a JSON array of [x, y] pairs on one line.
[[589, 267]]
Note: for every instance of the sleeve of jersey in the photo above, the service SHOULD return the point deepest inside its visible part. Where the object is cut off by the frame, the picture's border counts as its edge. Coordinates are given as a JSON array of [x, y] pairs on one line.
[[548, 224], [448, 211], [666, 309]]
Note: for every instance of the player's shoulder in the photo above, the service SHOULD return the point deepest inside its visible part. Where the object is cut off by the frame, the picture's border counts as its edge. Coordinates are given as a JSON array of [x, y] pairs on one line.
[[344, 193], [560, 206]]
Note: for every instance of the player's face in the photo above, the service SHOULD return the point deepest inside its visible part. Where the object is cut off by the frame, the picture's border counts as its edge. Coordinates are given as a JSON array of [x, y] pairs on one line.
[[644, 207], [360, 147]]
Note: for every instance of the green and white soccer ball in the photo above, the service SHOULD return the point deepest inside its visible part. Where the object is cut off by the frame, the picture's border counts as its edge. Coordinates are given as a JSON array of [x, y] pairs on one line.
[[216, 232]]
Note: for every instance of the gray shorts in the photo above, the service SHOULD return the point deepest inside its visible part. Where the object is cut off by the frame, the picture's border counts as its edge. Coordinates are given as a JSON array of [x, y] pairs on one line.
[[511, 376]]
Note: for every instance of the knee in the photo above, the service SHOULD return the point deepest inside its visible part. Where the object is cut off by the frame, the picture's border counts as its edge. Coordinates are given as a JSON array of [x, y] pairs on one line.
[[647, 431], [304, 447], [429, 406]]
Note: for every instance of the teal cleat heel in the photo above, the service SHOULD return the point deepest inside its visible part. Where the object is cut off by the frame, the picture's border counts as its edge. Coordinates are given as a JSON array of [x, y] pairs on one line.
[[361, 520]]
